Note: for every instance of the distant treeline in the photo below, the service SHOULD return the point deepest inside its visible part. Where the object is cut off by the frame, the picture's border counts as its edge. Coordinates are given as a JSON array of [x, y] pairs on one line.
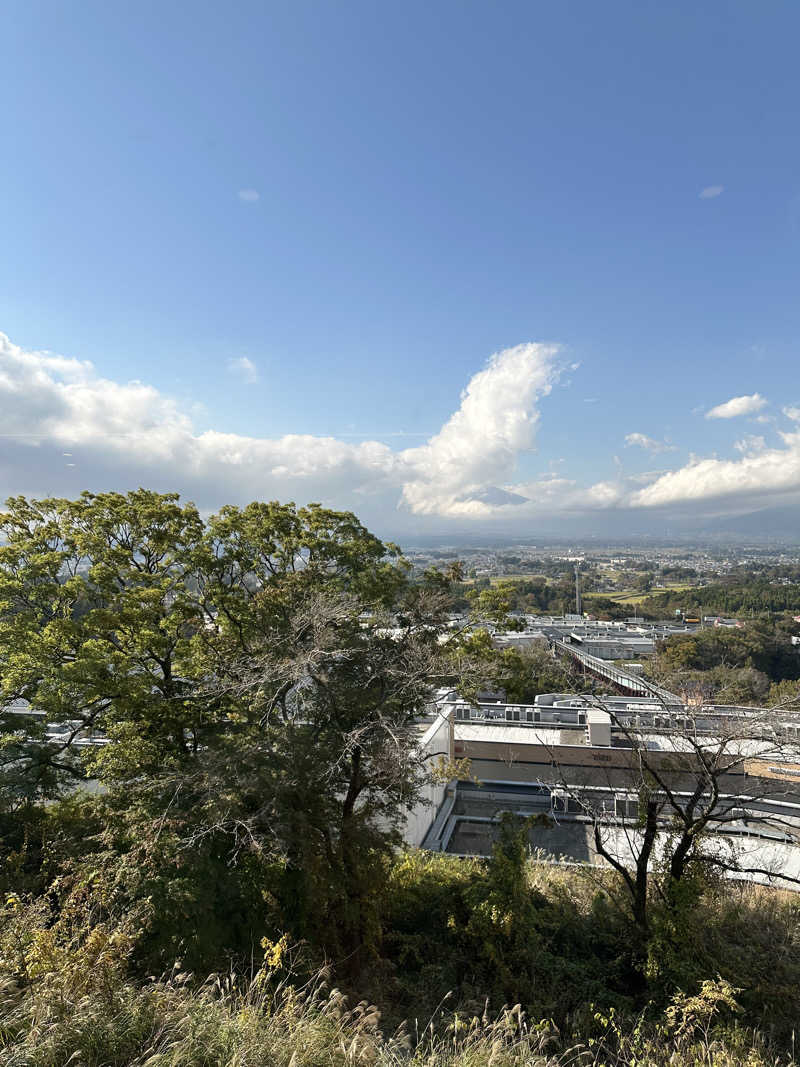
[[743, 596], [533, 596]]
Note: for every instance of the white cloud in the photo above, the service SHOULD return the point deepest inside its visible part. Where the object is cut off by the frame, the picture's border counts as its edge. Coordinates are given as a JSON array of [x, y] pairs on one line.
[[126, 434], [737, 405], [479, 445], [645, 477], [760, 474], [648, 443], [751, 443], [131, 434], [711, 191], [249, 196], [243, 368], [46, 397]]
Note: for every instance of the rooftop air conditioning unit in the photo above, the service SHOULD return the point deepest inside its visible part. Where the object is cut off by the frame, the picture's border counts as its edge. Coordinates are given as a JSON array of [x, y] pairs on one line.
[[598, 728]]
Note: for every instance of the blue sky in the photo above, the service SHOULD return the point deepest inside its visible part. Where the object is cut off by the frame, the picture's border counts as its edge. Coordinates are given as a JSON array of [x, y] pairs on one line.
[[324, 218]]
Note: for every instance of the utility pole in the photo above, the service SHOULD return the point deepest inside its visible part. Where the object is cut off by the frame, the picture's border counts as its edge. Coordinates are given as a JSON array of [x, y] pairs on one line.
[[578, 589]]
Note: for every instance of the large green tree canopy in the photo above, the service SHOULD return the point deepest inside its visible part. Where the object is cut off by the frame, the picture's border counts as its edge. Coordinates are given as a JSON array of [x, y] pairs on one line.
[[119, 613], [257, 675]]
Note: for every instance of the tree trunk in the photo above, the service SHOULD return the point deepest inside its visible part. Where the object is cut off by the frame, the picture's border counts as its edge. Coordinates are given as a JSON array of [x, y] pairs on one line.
[[353, 925]]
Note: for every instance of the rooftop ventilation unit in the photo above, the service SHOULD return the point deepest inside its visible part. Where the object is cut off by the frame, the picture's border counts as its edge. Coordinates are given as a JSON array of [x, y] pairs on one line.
[[598, 728]]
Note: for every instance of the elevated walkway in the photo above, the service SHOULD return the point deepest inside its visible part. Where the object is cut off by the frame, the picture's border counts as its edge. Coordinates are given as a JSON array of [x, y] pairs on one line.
[[626, 682]]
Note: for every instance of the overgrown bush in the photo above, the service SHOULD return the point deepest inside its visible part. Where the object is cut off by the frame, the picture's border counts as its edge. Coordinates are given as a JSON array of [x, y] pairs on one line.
[[470, 930], [70, 991]]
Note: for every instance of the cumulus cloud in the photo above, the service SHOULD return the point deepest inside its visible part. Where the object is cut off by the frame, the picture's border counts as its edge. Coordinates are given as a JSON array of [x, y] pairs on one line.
[[244, 368], [125, 434], [249, 196], [47, 397], [761, 474], [480, 443], [737, 405], [649, 444], [751, 443], [130, 433], [711, 192]]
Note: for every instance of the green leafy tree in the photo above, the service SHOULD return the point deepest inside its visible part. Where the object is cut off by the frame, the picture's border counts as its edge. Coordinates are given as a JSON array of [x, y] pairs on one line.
[[325, 765], [97, 614], [521, 673], [258, 679], [760, 645]]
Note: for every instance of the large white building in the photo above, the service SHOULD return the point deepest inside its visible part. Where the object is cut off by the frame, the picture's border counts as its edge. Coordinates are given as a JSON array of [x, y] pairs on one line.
[[539, 759]]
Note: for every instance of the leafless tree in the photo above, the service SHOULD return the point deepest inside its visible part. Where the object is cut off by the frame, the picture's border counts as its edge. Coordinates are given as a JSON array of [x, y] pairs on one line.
[[690, 791]]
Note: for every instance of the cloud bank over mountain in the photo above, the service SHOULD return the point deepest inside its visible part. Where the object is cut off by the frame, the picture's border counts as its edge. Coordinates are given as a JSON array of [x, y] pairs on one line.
[[66, 427], [481, 442], [125, 431]]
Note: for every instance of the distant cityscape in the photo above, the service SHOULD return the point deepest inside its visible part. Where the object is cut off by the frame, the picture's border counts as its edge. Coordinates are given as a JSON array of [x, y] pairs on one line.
[[524, 560]]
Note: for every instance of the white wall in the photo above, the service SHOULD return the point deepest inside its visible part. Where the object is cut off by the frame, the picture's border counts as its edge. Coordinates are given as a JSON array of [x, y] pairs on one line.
[[436, 741]]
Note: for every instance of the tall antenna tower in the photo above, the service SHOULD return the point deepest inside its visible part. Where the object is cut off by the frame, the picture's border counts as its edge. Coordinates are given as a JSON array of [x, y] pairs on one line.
[[578, 610]]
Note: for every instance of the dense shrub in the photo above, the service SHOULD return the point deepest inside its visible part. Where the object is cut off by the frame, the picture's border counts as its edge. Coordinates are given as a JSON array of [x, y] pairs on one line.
[[463, 942]]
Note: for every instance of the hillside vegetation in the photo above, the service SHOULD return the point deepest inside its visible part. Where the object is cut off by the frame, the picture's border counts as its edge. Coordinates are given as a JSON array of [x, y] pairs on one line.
[[208, 750], [470, 968]]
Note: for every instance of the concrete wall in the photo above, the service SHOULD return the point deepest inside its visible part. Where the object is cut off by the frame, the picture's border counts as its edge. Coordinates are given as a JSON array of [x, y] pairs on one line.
[[436, 741]]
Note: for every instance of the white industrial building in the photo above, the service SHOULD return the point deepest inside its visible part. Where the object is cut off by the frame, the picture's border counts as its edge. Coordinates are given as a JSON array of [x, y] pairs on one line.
[[521, 755]]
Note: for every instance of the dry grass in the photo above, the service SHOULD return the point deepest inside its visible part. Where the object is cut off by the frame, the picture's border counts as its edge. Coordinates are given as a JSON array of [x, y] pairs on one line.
[[170, 1024], [77, 1006]]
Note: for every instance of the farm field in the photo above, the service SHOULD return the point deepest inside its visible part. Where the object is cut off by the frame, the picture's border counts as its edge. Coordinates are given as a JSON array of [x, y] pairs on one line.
[[630, 597], [634, 596], [494, 579]]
